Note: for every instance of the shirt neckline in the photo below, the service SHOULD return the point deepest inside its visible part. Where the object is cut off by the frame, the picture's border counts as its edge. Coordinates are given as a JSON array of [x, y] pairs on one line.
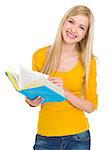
[[73, 68]]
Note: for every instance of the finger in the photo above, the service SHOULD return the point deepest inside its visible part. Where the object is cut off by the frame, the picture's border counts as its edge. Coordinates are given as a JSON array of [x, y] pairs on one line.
[[55, 79], [39, 100], [28, 100], [26, 97], [61, 86], [38, 97], [57, 82]]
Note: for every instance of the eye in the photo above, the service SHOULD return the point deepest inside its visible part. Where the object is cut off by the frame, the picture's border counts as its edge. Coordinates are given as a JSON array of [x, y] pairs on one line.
[[71, 21], [82, 28]]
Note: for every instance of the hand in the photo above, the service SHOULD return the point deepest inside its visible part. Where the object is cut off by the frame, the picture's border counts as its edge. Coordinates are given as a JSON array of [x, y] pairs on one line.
[[57, 81], [35, 102]]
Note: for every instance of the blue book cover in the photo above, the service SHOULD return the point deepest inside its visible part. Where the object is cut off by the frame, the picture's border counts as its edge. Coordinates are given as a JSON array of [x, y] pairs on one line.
[[45, 92]]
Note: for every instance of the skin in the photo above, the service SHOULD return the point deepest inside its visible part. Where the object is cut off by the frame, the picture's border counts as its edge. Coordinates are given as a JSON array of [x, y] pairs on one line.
[[73, 31]]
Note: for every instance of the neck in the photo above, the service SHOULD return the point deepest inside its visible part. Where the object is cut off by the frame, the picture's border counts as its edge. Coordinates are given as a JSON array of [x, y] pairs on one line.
[[69, 48]]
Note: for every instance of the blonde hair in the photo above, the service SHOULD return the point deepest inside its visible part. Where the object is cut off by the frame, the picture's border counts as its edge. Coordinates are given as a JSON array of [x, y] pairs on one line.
[[84, 46]]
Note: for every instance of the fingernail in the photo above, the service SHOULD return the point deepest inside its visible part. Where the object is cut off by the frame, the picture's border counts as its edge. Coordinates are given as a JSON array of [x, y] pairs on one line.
[[39, 96]]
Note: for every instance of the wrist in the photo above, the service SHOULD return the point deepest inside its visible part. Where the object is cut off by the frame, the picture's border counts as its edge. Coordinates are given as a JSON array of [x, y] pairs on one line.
[[66, 93]]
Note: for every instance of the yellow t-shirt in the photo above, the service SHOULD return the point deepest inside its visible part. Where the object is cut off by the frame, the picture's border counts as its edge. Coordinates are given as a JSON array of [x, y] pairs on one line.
[[62, 118]]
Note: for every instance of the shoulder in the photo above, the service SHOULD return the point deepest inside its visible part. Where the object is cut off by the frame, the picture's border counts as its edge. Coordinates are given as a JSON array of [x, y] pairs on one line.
[[93, 61], [39, 58], [93, 64], [40, 52]]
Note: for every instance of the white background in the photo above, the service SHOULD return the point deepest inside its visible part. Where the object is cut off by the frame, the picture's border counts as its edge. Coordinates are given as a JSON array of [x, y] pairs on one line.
[[26, 25]]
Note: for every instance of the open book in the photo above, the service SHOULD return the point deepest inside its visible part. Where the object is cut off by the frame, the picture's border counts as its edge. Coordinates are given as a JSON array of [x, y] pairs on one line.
[[33, 84]]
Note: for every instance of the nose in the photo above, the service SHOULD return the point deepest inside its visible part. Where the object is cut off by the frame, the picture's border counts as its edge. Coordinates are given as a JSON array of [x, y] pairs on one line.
[[74, 28]]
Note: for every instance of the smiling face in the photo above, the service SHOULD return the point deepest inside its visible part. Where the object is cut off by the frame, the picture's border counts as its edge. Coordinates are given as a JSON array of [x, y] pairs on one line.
[[74, 29]]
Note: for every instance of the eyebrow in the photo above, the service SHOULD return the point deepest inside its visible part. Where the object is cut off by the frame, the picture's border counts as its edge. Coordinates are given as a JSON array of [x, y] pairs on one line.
[[80, 24]]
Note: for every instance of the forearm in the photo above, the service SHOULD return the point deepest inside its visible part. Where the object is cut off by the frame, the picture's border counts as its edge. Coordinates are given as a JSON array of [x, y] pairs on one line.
[[79, 103]]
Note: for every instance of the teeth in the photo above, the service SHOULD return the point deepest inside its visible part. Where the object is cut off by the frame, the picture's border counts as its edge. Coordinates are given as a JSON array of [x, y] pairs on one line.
[[72, 36]]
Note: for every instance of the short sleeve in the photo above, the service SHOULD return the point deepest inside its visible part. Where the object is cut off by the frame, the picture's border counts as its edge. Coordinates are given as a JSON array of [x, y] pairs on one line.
[[90, 93], [38, 59]]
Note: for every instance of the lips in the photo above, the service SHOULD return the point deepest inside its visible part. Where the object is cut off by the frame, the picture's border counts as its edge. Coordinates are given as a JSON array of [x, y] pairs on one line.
[[71, 35]]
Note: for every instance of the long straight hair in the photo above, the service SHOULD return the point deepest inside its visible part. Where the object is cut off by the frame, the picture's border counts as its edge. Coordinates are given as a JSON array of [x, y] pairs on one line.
[[85, 46]]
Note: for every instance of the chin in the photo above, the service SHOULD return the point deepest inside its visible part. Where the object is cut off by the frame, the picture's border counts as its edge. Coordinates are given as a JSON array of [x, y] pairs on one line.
[[70, 41]]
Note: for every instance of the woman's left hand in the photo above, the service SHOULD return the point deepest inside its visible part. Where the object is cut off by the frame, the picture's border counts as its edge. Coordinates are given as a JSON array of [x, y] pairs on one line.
[[57, 81]]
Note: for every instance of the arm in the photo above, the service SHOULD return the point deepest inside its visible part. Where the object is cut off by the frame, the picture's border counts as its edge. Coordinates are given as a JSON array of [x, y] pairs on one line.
[[89, 102], [81, 104], [90, 98]]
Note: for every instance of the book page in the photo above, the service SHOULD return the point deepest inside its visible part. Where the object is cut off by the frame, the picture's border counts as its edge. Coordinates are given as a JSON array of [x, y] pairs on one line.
[[28, 77], [16, 76], [36, 83]]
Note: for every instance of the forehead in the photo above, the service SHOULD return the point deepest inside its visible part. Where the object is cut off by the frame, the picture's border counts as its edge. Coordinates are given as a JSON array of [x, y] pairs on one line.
[[80, 19]]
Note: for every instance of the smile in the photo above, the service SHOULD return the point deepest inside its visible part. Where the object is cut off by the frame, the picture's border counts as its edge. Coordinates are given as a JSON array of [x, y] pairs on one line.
[[71, 35]]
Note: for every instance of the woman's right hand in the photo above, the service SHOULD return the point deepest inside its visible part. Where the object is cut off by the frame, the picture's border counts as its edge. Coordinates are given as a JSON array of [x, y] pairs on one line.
[[35, 102]]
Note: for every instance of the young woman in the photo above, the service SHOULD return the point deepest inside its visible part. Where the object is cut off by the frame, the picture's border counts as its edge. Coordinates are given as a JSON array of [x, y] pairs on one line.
[[72, 66]]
